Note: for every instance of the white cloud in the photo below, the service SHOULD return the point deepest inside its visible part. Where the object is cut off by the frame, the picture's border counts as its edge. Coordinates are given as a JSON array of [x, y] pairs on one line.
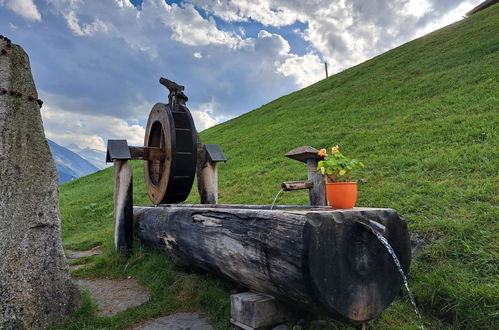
[[190, 28], [205, 115], [112, 72], [306, 70], [87, 129], [25, 8], [85, 29]]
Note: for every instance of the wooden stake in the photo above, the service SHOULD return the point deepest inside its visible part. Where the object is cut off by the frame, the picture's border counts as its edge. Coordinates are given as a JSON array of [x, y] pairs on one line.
[[316, 194], [123, 206], [208, 183]]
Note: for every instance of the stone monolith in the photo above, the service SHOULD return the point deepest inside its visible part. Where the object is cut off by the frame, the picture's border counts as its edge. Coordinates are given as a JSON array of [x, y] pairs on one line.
[[35, 286]]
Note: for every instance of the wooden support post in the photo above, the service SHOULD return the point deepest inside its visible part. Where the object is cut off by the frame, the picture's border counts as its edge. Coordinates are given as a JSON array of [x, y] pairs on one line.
[[316, 194], [208, 183], [123, 206], [119, 153], [309, 155], [207, 172]]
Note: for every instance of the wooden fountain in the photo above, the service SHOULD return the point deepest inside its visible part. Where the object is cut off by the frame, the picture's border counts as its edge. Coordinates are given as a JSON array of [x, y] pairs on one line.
[[322, 259]]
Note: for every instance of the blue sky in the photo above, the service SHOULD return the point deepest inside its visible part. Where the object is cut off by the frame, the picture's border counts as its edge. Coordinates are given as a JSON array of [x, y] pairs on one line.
[[97, 63]]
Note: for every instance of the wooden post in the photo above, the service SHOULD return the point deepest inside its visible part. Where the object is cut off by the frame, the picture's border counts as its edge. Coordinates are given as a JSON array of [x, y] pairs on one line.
[[119, 153], [208, 183], [316, 194], [309, 155], [325, 66], [123, 206], [207, 172]]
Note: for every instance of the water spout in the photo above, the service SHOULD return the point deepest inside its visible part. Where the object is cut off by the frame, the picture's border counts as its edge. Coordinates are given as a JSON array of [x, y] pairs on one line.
[[275, 199], [378, 229]]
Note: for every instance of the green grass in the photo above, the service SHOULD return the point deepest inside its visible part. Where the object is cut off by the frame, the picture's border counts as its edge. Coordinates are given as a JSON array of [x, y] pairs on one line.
[[423, 117]]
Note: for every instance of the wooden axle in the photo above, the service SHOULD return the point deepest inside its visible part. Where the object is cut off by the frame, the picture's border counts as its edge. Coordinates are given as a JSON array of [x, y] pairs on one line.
[[147, 153]]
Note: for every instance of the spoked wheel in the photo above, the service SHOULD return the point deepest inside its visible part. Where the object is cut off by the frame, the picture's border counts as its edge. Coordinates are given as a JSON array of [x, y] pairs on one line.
[[171, 128]]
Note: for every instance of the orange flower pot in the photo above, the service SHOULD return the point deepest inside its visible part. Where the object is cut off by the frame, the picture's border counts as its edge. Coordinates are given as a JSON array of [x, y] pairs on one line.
[[341, 195]]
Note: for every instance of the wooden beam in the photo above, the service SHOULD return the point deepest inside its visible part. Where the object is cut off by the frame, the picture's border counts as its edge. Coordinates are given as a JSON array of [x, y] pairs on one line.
[[147, 153]]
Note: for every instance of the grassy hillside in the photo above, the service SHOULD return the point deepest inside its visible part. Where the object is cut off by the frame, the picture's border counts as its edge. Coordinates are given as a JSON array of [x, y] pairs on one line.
[[423, 117]]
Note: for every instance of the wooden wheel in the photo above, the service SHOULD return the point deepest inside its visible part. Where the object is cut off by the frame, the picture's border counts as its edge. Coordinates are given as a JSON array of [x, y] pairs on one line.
[[171, 128]]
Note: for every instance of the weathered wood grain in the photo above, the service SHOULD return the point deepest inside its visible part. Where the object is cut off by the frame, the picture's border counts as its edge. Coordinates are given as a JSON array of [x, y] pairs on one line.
[[123, 206], [208, 183], [316, 194], [147, 153], [323, 260], [297, 185]]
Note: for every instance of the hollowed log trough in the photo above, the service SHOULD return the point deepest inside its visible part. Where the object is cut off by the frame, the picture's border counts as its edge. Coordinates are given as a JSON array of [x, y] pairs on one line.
[[322, 259]]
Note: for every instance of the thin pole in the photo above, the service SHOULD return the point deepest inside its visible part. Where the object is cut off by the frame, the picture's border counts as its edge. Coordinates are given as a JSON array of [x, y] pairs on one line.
[[325, 65]]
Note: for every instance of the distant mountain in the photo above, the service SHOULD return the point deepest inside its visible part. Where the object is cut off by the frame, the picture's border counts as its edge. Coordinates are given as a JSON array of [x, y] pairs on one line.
[[96, 157], [69, 165], [74, 147]]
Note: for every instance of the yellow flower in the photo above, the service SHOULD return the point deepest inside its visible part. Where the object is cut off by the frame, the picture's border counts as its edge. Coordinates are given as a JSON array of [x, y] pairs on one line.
[[322, 152], [335, 149], [323, 170], [342, 172]]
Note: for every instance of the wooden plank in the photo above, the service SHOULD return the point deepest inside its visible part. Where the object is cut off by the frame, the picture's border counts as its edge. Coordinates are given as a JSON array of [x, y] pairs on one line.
[[123, 206], [326, 261]]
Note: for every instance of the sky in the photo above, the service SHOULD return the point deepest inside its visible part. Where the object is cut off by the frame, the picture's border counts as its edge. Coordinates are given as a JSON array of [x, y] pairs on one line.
[[97, 63]]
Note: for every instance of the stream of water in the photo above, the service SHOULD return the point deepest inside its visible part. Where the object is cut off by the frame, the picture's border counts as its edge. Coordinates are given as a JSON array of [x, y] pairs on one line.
[[383, 240], [275, 199]]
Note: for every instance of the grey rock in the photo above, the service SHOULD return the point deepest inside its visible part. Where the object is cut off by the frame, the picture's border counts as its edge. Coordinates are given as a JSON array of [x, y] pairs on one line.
[[113, 297], [179, 321], [75, 254], [35, 286]]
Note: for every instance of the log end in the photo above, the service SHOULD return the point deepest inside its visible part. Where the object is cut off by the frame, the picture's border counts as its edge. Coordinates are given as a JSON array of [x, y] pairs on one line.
[[350, 271]]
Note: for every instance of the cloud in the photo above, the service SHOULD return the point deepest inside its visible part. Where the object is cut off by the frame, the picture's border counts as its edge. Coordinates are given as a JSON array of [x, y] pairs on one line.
[[85, 29], [97, 63], [205, 115], [25, 8], [306, 70], [87, 129], [344, 33]]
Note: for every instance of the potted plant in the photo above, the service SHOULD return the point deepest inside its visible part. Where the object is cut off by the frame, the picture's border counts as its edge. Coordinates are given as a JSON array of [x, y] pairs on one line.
[[341, 191]]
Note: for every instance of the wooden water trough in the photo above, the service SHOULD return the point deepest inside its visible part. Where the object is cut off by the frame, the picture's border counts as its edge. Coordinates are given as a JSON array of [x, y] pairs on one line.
[[325, 260]]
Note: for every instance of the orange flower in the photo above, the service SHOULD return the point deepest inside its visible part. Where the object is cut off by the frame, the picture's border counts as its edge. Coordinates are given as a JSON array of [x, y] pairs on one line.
[[322, 152], [335, 149]]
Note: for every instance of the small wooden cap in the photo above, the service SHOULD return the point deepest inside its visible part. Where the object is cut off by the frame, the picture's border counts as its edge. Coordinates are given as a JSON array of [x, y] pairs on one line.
[[302, 154], [117, 150], [215, 153]]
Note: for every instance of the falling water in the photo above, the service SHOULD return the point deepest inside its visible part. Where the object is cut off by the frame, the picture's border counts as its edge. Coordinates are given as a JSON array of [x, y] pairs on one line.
[[275, 199], [383, 240]]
